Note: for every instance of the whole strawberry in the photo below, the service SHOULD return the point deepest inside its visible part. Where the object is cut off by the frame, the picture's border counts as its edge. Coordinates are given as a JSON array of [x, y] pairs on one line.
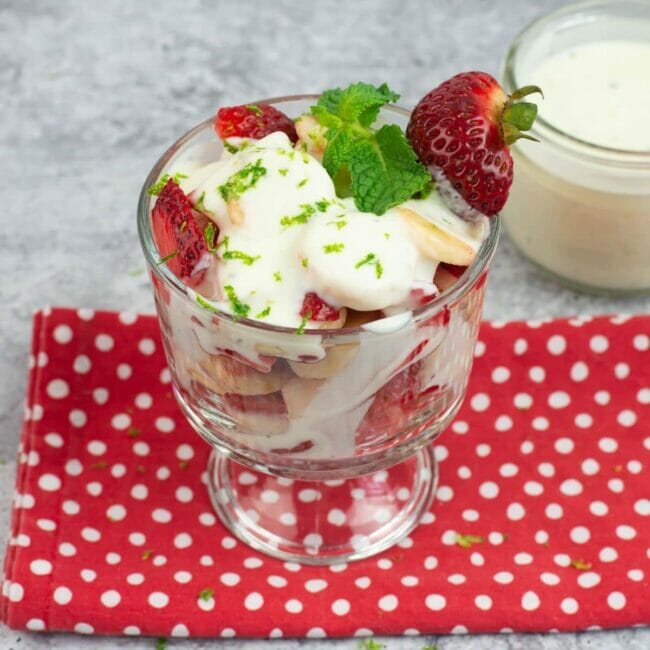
[[252, 121], [463, 128]]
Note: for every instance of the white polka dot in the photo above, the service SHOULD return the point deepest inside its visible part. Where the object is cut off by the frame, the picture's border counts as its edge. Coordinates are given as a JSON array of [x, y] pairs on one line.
[[559, 399], [35, 624], [165, 424], [616, 485], [556, 344], [477, 559], [602, 397], [314, 632], [161, 515], [523, 559], [110, 598], [488, 490], [40, 567], [85, 314], [58, 389], [641, 342], [127, 317], [94, 488], [483, 602], [141, 448], [67, 549], [410, 581], [550, 579], [503, 423], [533, 488], [293, 606], [608, 554], [564, 445], [520, 346], [540, 423], [54, 440], [634, 467], [184, 494], [158, 599], [523, 401], [143, 400], [588, 579], [642, 507], [460, 427], [608, 445], [182, 540], [470, 515], [147, 346], [625, 532], [270, 496], [100, 396], [480, 402], [579, 371], [104, 342], [81, 365], [116, 512], [554, 511], [643, 396], [621, 370], [253, 601], [139, 491], [627, 418], [363, 582], [62, 334], [546, 469], [388, 603], [580, 534], [77, 418], [336, 517], [444, 493], [230, 579], [530, 601], [163, 473], [483, 450], [435, 602], [479, 349], [616, 600], [90, 534], [62, 595], [515, 512], [131, 630], [183, 577], [88, 575], [598, 344], [464, 472], [503, 577], [537, 374], [228, 542], [84, 628], [46, 524], [569, 605], [118, 470], [636, 575], [96, 447], [500, 374], [508, 470], [121, 421], [571, 487], [49, 482], [590, 467], [275, 633], [70, 507], [583, 420]]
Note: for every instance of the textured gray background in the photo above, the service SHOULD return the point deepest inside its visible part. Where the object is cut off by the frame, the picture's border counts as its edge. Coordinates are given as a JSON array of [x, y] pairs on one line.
[[92, 92]]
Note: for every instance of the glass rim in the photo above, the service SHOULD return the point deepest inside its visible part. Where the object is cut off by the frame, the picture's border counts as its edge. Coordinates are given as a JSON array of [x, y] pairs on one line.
[[600, 153], [461, 287]]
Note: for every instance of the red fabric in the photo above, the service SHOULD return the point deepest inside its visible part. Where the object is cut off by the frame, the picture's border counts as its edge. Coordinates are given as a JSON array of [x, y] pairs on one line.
[[548, 460]]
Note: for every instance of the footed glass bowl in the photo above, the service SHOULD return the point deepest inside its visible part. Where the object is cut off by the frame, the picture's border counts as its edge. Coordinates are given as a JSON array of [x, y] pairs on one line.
[[321, 442]]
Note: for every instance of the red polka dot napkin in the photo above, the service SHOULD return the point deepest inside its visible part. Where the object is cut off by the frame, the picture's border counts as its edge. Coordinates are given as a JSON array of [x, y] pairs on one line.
[[540, 522]]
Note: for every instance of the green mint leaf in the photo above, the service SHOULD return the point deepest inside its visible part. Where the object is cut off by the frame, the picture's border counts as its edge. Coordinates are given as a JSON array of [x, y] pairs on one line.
[[161, 644], [302, 183], [239, 309], [336, 247], [241, 181], [206, 594], [330, 100], [264, 313], [303, 323], [358, 102], [371, 260], [466, 541], [254, 108], [157, 187], [337, 151], [386, 171], [209, 235], [202, 302]]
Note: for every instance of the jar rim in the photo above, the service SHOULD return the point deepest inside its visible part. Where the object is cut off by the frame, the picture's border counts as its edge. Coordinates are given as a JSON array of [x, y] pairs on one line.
[[461, 287], [563, 139]]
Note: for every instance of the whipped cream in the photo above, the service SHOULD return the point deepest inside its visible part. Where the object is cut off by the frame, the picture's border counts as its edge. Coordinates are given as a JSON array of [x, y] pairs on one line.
[[283, 233]]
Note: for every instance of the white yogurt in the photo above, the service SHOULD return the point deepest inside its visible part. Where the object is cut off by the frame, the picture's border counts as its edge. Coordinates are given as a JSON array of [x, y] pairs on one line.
[[599, 92]]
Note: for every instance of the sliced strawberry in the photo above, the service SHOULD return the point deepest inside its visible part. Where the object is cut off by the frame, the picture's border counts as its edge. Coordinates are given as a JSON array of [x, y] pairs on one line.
[[253, 121], [179, 236], [271, 404], [317, 309]]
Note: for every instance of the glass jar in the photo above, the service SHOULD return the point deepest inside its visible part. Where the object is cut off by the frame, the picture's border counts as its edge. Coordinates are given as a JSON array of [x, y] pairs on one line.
[[327, 413], [579, 210]]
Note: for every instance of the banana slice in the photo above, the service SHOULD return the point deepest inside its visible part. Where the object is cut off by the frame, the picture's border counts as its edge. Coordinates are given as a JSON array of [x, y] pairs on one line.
[[336, 358], [311, 136], [235, 213], [298, 393], [228, 375], [434, 242], [329, 324]]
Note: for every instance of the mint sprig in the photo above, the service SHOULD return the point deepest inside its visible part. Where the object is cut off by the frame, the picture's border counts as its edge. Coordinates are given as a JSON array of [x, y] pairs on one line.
[[378, 168]]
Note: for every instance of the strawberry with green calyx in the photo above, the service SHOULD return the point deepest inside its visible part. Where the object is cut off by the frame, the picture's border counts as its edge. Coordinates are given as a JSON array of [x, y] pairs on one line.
[[377, 167], [463, 128]]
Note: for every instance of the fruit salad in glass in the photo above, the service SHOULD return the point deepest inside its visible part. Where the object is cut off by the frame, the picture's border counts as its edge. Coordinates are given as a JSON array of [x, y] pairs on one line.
[[319, 265]]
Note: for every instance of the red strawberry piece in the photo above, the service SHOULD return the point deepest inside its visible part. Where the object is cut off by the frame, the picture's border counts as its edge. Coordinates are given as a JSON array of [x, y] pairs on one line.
[[179, 236], [253, 121], [317, 309], [463, 128], [271, 404]]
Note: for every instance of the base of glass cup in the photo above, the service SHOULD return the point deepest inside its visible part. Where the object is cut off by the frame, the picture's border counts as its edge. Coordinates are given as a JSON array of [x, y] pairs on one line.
[[324, 522]]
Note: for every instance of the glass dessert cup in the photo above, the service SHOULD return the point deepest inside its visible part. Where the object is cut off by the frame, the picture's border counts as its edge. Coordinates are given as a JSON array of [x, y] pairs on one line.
[[321, 440]]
